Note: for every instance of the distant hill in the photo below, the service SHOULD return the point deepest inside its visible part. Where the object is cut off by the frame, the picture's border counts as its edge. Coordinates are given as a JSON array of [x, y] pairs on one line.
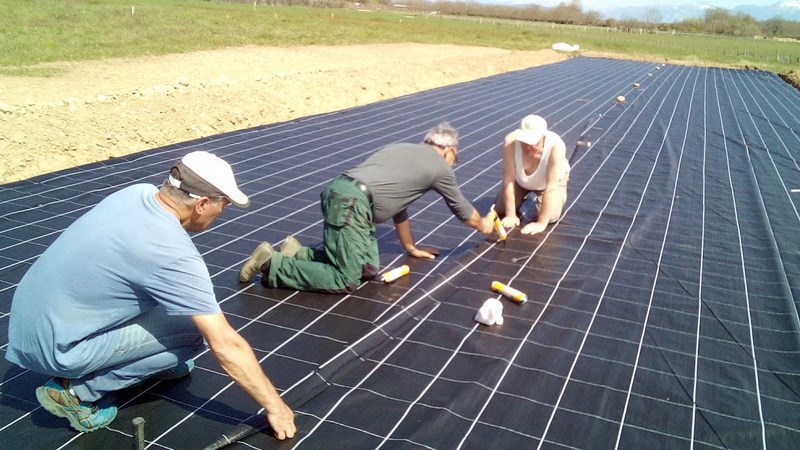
[[787, 10], [669, 13]]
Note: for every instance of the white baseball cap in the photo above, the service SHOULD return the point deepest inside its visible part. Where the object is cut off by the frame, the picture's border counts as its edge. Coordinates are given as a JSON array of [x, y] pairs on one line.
[[202, 174], [532, 129]]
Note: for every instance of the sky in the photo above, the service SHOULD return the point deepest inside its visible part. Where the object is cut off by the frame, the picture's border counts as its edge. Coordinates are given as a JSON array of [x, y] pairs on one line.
[[598, 4]]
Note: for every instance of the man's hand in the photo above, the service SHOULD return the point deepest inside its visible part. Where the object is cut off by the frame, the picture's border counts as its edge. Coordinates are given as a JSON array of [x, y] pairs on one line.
[[510, 221], [425, 252], [236, 357], [487, 224], [282, 422], [533, 228]]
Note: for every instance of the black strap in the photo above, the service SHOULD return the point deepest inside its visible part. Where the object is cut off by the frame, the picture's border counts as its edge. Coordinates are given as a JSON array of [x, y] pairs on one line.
[[361, 186]]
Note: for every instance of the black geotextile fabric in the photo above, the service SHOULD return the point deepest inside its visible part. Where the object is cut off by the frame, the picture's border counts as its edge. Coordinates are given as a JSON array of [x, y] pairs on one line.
[[662, 308]]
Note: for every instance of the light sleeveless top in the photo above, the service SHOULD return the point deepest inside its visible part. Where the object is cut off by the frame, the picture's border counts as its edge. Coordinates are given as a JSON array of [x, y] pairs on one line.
[[537, 181]]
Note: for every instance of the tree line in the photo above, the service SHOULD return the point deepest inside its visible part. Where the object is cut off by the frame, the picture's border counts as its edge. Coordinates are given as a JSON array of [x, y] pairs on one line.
[[714, 21]]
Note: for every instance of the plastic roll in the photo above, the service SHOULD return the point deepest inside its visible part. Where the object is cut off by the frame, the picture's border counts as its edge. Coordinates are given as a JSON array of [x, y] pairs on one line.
[[394, 274], [514, 294], [499, 228], [498, 225]]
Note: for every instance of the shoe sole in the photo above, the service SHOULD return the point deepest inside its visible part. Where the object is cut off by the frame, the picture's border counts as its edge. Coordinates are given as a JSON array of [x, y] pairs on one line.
[[56, 409], [262, 253]]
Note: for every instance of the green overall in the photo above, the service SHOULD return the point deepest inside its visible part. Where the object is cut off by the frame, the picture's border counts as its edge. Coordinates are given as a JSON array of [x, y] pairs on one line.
[[349, 250]]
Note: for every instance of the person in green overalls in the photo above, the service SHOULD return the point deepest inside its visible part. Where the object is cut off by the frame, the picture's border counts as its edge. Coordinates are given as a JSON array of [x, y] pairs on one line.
[[380, 188]]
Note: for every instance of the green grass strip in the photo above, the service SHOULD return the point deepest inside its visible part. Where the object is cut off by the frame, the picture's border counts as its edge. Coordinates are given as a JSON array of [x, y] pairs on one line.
[[33, 32]]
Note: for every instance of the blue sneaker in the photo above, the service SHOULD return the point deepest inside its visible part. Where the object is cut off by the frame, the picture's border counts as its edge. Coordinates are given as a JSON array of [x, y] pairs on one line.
[[179, 371], [55, 397]]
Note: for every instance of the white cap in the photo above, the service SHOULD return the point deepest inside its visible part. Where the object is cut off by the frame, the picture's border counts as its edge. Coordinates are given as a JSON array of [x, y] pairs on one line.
[[204, 174], [532, 129], [490, 313]]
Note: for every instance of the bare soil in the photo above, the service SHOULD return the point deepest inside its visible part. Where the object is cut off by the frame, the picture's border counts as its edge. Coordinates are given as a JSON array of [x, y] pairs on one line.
[[97, 110]]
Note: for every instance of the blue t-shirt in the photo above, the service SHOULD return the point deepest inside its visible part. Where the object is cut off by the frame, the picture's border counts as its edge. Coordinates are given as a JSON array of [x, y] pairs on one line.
[[122, 258]]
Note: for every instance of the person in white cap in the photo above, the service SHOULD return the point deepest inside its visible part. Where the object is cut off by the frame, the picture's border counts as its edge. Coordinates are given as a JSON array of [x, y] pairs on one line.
[[534, 161], [123, 295]]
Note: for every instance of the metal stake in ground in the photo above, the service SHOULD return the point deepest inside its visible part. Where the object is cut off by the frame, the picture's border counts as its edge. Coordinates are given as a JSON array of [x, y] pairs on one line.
[[585, 139], [138, 433]]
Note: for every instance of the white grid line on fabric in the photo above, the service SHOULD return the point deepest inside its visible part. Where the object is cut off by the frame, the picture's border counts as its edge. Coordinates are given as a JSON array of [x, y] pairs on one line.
[[522, 398], [551, 296], [786, 189], [663, 244], [613, 268], [743, 267]]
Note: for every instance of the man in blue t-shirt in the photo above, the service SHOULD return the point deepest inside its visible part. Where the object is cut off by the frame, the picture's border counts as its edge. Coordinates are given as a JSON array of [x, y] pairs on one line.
[[123, 295]]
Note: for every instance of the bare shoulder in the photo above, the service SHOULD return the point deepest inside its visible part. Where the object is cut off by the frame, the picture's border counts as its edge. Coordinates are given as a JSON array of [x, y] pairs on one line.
[[510, 139], [558, 149]]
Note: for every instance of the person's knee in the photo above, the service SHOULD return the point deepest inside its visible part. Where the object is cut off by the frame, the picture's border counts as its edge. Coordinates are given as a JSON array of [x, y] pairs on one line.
[[351, 279], [559, 213], [199, 343], [369, 272], [347, 289]]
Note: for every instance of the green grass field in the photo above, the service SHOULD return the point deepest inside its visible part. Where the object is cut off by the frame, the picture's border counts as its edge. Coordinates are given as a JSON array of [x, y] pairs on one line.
[[42, 31]]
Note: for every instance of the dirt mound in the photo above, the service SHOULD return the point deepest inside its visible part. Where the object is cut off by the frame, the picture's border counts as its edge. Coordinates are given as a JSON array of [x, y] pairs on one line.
[[102, 109]]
